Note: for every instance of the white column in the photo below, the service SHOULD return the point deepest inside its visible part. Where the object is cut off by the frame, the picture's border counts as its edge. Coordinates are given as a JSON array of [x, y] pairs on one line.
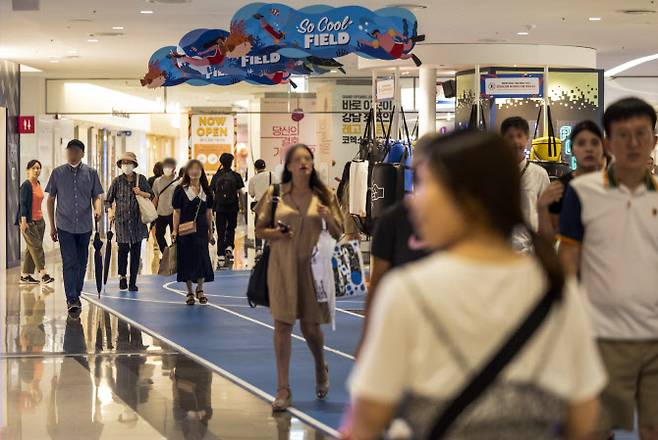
[[427, 101]]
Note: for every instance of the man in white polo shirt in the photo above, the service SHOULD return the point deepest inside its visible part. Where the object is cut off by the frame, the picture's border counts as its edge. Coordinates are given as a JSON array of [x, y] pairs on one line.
[[534, 180], [609, 234]]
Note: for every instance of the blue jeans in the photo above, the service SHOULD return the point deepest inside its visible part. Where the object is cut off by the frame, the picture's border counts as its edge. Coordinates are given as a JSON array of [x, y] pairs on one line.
[[75, 253]]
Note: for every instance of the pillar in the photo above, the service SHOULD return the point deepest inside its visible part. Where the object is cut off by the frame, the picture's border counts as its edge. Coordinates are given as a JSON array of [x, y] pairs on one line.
[[427, 101]]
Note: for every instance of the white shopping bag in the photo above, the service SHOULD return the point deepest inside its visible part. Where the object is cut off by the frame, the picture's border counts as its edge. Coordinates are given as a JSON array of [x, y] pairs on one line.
[[323, 274], [358, 188]]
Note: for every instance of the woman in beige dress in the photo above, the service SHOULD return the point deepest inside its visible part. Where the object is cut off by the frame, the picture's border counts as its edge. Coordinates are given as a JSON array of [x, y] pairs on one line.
[[304, 203]]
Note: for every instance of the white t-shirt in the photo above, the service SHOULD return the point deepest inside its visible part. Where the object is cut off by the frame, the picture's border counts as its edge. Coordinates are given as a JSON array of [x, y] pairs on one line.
[[259, 184], [534, 182], [478, 305]]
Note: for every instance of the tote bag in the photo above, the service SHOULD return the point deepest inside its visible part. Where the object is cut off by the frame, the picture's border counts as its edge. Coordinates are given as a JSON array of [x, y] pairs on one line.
[[169, 263], [147, 211], [322, 270], [347, 262]]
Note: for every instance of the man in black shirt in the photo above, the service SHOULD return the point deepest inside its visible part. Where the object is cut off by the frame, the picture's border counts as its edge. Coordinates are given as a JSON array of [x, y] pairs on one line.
[[227, 185]]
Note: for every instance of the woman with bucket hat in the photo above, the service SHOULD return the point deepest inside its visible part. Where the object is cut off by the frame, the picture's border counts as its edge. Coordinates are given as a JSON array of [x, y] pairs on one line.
[[124, 212]]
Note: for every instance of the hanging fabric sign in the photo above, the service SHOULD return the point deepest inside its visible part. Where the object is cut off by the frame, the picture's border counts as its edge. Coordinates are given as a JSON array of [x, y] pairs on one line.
[[267, 43]]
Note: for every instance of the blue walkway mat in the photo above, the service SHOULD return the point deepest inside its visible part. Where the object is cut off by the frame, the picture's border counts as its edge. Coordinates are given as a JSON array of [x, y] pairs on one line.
[[235, 340]]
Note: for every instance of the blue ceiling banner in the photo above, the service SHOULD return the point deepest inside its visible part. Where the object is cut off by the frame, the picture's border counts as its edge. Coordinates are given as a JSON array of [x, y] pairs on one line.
[[267, 43]]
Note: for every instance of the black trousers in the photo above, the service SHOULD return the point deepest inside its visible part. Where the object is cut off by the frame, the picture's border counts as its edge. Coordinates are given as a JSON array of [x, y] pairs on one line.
[[161, 224], [135, 251], [226, 224]]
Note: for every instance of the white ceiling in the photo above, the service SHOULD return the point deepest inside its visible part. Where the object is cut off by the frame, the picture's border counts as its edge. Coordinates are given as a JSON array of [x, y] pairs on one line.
[[36, 38]]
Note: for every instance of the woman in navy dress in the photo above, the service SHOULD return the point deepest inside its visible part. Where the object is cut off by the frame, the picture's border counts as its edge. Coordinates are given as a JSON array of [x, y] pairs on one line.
[[193, 201]]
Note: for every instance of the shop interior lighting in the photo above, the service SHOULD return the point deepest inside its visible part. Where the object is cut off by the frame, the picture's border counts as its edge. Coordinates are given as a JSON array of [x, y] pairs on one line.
[[72, 52], [522, 33], [595, 19], [93, 40], [117, 28], [146, 12], [629, 65]]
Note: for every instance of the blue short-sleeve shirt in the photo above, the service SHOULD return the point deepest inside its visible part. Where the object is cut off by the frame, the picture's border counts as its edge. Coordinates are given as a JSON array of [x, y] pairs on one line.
[[74, 189]]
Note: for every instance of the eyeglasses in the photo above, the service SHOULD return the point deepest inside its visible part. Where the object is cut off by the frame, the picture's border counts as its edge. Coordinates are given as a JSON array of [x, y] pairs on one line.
[[626, 136]]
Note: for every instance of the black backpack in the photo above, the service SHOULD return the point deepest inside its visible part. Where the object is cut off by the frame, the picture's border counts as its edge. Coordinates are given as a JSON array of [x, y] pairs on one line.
[[226, 190]]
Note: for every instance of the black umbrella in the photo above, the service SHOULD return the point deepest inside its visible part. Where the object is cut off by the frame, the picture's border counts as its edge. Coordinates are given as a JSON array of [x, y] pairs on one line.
[[98, 260], [108, 255]]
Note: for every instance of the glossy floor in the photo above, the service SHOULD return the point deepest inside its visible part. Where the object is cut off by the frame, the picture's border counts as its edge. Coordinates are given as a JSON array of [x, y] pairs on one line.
[[97, 378]]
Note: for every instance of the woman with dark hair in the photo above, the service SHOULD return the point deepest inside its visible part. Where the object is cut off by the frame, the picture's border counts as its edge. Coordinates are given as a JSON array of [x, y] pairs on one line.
[[192, 202], [33, 227], [158, 171], [587, 146], [437, 323], [305, 205]]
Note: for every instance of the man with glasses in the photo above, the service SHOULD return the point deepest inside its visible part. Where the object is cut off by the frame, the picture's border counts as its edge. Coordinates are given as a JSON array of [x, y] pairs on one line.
[[609, 235]]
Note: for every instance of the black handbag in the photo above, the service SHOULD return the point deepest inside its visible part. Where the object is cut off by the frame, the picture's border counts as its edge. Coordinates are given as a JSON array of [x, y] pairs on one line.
[[257, 292]]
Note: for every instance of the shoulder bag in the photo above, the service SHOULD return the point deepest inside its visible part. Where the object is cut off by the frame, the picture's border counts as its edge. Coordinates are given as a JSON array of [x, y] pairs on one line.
[[189, 228], [147, 211], [257, 291], [492, 369]]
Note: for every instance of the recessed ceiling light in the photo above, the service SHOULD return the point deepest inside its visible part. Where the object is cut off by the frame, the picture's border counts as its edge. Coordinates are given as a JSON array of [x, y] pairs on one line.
[[54, 61], [72, 51], [522, 33], [146, 12], [118, 28], [595, 19], [92, 40], [29, 69]]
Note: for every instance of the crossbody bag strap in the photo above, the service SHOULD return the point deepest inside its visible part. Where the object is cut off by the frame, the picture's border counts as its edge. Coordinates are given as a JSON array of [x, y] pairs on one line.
[[275, 203], [525, 168], [170, 183], [196, 214], [492, 369]]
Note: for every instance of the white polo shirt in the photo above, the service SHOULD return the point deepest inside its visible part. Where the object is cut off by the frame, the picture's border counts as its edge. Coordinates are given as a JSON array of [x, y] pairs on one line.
[[617, 230], [534, 180]]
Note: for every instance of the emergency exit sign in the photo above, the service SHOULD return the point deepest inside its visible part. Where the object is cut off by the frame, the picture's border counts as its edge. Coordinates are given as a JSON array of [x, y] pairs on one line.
[[26, 124]]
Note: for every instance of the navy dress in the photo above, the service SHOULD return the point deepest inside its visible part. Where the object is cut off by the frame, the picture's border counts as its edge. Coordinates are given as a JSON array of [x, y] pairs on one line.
[[193, 255]]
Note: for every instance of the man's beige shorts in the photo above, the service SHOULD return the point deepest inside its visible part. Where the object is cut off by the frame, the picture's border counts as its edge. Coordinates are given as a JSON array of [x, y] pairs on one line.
[[632, 369]]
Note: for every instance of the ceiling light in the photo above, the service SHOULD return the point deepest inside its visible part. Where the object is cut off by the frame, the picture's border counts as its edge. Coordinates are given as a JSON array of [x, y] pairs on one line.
[[92, 40], [637, 11], [522, 33], [54, 61], [595, 19], [117, 28], [629, 65], [145, 12], [29, 69], [72, 52]]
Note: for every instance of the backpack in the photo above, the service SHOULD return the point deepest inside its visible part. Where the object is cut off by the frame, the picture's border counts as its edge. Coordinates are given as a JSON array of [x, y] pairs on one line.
[[226, 190]]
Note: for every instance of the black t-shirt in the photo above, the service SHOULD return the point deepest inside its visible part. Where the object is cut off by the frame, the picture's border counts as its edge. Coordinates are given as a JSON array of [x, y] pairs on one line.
[[556, 207], [239, 184], [394, 240]]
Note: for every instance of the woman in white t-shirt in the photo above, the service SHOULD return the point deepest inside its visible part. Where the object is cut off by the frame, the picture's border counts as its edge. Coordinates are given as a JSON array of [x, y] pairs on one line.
[[439, 321]]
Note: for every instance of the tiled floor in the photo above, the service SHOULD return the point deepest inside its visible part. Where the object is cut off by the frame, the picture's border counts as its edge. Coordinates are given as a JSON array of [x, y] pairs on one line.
[[97, 378]]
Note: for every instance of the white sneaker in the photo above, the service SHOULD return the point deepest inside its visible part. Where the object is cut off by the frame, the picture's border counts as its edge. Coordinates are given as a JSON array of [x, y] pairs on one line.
[[229, 253], [221, 261]]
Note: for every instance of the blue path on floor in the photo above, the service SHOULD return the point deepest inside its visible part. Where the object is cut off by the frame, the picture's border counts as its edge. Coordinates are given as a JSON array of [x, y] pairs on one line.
[[232, 338]]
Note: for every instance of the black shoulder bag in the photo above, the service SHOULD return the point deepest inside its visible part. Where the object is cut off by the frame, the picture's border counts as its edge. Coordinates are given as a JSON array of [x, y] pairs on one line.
[[487, 375], [257, 291]]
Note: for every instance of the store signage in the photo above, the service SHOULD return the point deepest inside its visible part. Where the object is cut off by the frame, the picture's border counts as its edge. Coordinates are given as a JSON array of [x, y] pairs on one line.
[[212, 135], [512, 86], [267, 43], [385, 89], [26, 124]]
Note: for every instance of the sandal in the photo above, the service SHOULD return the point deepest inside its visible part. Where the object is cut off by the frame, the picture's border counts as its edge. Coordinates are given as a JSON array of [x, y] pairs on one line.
[[322, 389], [282, 404], [190, 299], [201, 297]]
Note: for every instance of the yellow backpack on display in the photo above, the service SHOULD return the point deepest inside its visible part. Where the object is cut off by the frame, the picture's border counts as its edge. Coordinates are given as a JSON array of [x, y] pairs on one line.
[[547, 148]]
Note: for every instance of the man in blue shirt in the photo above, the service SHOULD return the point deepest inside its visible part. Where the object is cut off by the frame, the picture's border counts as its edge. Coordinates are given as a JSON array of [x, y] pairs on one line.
[[75, 186]]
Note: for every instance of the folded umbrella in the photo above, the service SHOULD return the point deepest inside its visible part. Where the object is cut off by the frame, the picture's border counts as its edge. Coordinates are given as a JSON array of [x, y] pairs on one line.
[[108, 255], [98, 261]]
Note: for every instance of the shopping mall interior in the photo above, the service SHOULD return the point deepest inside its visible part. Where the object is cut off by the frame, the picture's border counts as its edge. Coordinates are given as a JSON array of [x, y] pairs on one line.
[[357, 82]]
